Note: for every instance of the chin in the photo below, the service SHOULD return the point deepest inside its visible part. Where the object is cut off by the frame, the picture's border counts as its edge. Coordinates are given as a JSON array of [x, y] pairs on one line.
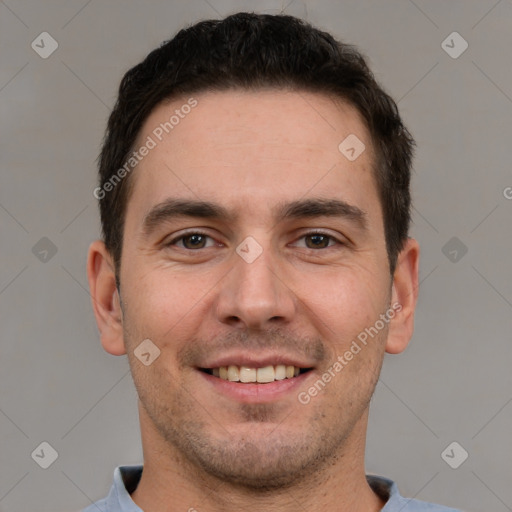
[[260, 464]]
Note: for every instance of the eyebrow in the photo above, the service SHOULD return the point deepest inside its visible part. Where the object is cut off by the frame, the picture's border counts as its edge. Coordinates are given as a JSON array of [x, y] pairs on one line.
[[173, 208]]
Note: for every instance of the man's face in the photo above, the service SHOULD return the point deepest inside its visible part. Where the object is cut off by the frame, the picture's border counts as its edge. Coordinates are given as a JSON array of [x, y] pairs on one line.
[[318, 281]]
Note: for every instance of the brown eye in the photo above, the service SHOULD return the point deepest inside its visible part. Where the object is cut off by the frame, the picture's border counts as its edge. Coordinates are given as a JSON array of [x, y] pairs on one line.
[[195, 241], [318, 241], [191, 241]]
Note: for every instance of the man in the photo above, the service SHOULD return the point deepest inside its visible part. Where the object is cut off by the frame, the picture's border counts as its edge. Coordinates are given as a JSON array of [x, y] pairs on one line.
[[255, 267]]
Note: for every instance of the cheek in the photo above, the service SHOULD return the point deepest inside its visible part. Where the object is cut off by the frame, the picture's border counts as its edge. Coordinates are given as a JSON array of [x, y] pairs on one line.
[[346, 300], [167, 308], [161, 297]]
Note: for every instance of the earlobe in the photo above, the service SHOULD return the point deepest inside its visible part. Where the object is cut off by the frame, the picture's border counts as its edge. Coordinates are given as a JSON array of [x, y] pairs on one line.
[[105, 298], [404, 297]]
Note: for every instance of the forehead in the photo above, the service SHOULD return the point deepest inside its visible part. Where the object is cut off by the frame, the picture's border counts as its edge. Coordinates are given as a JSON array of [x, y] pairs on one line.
[[248, 148]]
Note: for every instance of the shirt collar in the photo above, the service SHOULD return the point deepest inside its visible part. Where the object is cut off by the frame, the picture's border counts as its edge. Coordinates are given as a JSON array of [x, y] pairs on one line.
[[126, 479]]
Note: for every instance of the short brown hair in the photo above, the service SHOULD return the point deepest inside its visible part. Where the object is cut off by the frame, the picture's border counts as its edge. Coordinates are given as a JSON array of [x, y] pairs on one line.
[[251, 51]]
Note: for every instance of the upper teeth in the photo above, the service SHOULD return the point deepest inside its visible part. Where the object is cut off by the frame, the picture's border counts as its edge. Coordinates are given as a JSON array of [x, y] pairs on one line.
[[262, 375]]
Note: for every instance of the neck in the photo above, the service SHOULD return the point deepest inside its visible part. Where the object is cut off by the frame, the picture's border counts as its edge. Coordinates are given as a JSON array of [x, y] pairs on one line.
[[171, 483]]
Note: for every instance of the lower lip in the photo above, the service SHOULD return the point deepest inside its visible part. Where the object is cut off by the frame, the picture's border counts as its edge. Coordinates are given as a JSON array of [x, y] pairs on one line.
[[254, 392]]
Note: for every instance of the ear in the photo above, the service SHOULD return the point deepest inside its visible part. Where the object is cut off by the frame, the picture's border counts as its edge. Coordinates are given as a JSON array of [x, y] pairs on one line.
[[105, 298], [404, 295]]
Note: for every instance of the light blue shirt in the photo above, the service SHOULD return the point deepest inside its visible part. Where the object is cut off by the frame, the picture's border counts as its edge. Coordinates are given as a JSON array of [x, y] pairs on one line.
[[126, 479]]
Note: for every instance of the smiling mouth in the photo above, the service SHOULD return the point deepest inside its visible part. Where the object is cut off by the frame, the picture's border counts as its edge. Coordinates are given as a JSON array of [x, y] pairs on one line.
[[262, 375]]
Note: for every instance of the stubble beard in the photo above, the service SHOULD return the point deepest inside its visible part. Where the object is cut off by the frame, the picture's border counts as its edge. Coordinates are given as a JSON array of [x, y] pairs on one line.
[[265, 454]]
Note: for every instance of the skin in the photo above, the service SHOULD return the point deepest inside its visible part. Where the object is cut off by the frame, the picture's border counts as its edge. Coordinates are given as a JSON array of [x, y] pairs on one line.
[[249, 151]]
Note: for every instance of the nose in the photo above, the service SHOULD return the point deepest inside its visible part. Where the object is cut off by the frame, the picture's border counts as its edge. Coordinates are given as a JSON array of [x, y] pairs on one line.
[[256, 295]]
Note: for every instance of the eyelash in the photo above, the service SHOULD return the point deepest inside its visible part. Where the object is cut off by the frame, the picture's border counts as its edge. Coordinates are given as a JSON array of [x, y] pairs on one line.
[[202, 233]]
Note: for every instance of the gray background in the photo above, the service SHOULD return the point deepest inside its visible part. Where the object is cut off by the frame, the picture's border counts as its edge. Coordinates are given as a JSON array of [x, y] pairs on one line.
[[452, 384]]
